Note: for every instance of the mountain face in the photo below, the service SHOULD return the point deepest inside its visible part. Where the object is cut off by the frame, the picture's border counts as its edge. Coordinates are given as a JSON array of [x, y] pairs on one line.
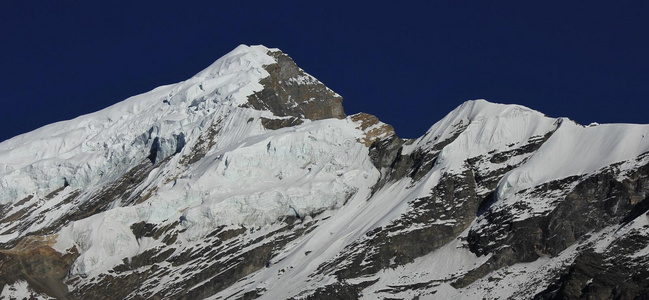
[[249, 181]]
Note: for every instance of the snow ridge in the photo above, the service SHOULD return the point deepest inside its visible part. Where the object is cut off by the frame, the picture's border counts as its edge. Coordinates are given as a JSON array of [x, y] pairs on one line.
[[192, 168], [95, 148]]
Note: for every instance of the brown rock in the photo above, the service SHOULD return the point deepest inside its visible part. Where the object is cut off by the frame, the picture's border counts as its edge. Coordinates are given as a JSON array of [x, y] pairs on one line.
[[289, 91], [34, 260], [373, 128]]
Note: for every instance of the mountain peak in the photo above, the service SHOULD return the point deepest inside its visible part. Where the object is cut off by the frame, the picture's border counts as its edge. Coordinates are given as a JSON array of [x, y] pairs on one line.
[[248, 181], [243, 55], [289, 91], [286, 90]]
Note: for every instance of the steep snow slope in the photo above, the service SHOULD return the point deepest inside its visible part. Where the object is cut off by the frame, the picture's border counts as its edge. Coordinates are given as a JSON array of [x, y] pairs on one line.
[[248, 181], [94, 148], [572, 150], [512, 137], [295, 172]]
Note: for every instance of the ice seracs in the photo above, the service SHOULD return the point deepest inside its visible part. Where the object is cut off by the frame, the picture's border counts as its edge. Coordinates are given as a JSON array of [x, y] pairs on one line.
[[90, 148], [249, 181]]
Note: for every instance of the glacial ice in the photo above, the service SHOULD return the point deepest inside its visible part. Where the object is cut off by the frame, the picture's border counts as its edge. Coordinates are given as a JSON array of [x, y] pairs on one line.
[[253, 177]]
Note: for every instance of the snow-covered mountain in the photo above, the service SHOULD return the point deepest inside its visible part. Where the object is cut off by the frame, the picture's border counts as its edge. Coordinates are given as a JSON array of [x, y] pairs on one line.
[[249, 181]]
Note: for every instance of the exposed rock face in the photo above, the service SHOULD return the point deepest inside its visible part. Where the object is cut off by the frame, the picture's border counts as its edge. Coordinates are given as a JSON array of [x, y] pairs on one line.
[[33, 260], [587, 205], [273, 124], [374, 129], [249, 182], [602, 276], [289, 91]]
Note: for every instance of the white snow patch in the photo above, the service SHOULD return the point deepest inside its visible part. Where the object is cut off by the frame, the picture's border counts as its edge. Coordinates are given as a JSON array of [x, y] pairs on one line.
[[21, 290]]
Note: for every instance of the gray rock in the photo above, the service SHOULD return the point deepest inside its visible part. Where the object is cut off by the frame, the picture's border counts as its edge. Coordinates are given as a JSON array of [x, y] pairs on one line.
[[289, 91]]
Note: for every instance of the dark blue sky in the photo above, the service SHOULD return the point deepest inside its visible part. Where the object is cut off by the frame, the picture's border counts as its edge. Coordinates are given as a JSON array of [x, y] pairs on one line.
[[407, 64]]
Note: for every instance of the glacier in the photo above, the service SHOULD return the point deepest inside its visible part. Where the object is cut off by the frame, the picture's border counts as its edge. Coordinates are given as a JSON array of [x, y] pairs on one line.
[[248, 180]]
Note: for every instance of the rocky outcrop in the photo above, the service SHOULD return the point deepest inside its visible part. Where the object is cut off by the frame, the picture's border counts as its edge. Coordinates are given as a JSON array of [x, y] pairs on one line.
[[374, 129], [274, 124], [289, 91], [33, 260], [432, 221], [586, 205], [602, 276]]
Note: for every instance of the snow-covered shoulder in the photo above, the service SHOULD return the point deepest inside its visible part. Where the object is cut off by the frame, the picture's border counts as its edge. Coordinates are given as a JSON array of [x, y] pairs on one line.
[[506, 116], [479, 127], [574, 150]]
